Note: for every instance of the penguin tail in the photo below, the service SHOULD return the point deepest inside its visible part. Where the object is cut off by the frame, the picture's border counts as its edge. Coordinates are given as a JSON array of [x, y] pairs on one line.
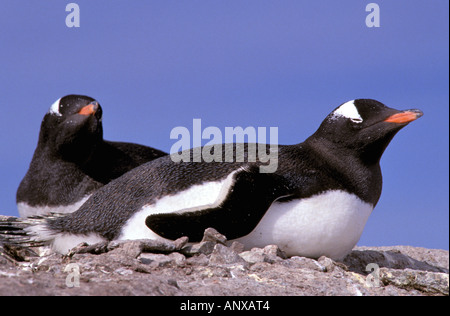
[[26, 232]]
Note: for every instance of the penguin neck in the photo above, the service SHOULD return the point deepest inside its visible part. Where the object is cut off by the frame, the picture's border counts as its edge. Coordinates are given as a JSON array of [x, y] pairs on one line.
[[360, 175], [71, 143], [78, 153]]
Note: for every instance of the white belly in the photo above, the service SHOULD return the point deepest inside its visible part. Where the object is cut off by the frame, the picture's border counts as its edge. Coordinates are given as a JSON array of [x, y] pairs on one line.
[[328, 224]]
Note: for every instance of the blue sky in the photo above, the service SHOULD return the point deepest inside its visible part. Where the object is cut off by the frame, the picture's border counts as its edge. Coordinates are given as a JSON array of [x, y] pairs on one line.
[[155, 65]]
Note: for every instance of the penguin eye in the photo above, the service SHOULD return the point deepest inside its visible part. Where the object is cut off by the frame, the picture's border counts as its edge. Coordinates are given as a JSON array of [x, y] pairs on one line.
[[357, 120]]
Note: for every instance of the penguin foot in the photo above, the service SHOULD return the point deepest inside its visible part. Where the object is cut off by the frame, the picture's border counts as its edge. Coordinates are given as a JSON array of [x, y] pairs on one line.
[[95, 249], [132, 248]]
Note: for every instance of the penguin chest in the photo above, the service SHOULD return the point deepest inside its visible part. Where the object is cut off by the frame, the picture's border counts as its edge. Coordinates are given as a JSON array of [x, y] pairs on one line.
[[329, 224]]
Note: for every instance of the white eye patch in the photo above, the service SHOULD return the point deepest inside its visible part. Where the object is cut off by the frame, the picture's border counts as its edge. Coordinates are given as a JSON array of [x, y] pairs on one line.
[[349, 111], [54, 109]]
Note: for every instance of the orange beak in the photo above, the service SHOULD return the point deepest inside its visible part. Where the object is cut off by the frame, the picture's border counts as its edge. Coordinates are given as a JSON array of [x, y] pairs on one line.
[[89, 109], [404, 117]]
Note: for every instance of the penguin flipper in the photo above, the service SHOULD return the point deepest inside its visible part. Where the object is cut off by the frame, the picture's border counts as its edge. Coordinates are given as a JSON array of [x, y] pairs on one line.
[[247, 200]]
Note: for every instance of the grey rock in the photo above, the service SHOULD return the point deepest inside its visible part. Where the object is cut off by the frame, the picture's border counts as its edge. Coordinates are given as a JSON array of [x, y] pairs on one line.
[[304, 263], [223, 255], [329, 265], [270, 254], [161, 260], [199, 260], [425, 281], [213, 235], [274, 251], [204, 247], [326, 263], [159, 246], [5, 258], [237, 247], [132, 268], [252, 256], [130, 249], [157, 260], [400, 257]]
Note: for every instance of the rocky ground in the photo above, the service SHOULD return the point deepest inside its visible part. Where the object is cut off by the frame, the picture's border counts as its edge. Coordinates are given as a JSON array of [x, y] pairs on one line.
[[214, 267]]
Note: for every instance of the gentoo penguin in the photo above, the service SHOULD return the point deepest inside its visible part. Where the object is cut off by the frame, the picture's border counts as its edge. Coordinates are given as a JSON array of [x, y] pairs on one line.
[[316, 202], [72, 160]]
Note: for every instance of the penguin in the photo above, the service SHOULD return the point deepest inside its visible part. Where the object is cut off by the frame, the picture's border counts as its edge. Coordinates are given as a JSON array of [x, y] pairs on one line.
[[316, 203], [71, 160]]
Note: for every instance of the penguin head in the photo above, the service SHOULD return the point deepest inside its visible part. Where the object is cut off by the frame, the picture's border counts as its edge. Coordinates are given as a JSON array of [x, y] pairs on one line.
[[72, 127], [364, 127]]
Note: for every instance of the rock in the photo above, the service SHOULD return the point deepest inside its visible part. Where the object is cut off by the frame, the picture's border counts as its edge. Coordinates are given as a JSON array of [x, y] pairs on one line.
[[252, 256], [199, 260], [213, 235], [436, 258], [130, 249], [424, 281], [304, 263], [326, 264], [270, 253], [160, 260], [237, 247], [204, 247], [398, 258], [274, 251], [5, 258], [143, 267], [18, 253], [223, 255]]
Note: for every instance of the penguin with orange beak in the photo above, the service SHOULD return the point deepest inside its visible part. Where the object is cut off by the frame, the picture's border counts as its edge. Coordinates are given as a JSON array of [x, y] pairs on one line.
[[71, 160]]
